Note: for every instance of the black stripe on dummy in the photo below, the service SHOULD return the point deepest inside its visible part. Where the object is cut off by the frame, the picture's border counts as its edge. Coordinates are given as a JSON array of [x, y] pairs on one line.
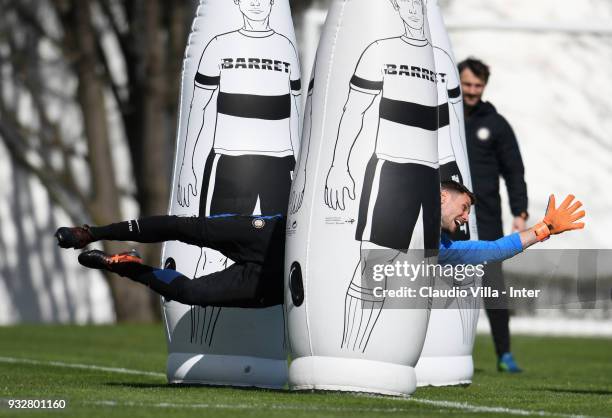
[[454, 93], [205, 80], [311, 85], [443, 119], [254, 107], [296, 85], [366, 84], [208, 166], [410, 114], [368, 183]]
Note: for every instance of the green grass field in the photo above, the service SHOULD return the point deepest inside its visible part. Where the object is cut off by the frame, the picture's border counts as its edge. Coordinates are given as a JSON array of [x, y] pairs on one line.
[[564, 377]]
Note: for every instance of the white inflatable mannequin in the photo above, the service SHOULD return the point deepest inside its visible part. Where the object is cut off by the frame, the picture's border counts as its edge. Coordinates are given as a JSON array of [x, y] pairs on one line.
[[366, 189], [447, 354], [237, 137]]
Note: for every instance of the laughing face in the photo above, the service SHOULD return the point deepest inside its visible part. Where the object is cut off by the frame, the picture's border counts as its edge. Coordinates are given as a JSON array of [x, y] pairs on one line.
[[256, 10], [455, 210], [472, 86]]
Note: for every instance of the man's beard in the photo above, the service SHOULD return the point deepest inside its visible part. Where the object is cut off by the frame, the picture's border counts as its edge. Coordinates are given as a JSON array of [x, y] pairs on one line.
[[467, 108]]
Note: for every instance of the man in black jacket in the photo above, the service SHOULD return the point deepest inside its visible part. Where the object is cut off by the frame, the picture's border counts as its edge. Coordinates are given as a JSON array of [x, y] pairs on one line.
[[493, 152]]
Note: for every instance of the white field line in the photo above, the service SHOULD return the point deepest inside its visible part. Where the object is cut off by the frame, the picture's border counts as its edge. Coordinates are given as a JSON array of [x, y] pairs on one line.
[[463, 406], [493, 409], [312, 408], [478, 408], [15, 360]]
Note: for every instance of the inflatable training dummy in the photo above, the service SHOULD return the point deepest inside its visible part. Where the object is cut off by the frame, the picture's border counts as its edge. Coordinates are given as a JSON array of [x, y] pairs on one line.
[[447, 355], [237, 136], [366, 197]]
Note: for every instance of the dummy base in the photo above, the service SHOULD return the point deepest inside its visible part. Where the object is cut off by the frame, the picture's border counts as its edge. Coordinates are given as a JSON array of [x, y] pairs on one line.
[[351, 375], [444, 371], [220, 370]]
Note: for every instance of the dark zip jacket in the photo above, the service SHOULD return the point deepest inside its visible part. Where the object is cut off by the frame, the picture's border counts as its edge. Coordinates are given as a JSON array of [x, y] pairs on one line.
[[493, 152]]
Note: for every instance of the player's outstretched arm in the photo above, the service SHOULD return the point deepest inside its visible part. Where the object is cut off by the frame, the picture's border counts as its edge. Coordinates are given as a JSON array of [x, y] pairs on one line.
[[556, 221], [339, 180], [188, 183]]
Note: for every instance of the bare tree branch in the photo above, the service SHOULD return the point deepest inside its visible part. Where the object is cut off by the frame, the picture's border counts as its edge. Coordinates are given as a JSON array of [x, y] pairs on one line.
[[73, 204], [150, 37]]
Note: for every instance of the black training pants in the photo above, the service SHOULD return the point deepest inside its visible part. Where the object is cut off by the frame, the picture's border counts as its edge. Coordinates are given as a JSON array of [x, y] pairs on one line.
[[497, 308], [255, 244]]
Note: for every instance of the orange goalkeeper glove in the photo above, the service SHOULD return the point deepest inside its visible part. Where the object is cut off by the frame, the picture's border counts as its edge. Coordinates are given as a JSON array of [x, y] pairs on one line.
[[561, 219]]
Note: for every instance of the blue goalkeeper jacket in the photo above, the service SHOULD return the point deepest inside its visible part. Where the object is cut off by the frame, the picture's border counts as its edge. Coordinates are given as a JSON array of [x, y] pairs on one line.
[[478, 252]]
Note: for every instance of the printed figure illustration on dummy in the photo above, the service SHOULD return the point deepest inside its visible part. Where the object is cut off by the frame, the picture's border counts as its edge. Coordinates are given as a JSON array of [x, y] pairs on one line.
[[297, 194], [449, 100], [388, 215], [451, 144], [451, 137], [255, 73], [446, 356]]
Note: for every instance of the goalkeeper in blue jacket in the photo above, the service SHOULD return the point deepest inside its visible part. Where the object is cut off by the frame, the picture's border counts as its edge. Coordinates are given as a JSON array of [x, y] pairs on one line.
[[257, 245]]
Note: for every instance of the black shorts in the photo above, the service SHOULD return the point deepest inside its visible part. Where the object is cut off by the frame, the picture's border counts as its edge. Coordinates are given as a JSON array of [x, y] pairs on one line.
[[392, 197], [232, 184]]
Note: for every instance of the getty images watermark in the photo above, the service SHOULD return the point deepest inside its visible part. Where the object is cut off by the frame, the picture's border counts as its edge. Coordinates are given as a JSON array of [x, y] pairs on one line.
[[536, 279], [468, 273]]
